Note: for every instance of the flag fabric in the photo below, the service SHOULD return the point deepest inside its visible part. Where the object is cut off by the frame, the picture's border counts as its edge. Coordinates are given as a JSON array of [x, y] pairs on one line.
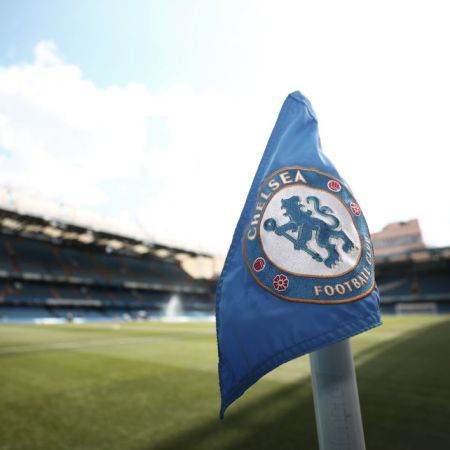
[[299, 274]]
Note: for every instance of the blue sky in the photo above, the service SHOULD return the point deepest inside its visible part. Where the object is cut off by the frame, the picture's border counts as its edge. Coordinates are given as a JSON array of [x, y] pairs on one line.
[[129, 108], [158, 43]]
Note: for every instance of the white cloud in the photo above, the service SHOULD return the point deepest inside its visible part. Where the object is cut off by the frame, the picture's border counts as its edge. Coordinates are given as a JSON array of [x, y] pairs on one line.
[[67, 139], [71, 140], [65, 134]]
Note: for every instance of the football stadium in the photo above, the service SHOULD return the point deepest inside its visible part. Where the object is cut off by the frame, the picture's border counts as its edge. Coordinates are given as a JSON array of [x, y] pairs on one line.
[[107, 342], [223, 225]]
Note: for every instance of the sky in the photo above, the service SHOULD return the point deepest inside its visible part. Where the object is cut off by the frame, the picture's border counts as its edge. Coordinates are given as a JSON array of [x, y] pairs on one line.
[[157, 113]]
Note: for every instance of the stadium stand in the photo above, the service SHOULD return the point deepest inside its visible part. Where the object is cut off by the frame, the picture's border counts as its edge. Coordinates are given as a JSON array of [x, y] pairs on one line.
[[415, 281], [50, 270], [411, 277]]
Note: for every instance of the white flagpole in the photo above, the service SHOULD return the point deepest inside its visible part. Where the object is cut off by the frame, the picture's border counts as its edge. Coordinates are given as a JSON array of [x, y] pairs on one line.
[[336, 401]]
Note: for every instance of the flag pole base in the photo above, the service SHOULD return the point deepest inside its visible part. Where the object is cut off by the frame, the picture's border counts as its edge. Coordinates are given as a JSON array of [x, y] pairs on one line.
[[336, 401]]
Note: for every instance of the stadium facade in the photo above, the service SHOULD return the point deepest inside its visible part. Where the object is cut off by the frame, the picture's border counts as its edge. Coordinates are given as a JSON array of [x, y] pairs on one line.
[[398, 237]]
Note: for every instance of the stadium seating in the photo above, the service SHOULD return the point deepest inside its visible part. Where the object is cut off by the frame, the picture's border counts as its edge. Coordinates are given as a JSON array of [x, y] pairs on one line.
[[21, 255], [392, 285], [51, 269], [411, 285], [432, 283], [113, 304]]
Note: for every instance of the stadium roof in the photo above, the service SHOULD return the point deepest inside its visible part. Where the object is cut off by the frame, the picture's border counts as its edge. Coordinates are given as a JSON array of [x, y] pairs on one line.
[[37, 216], [27, 225], [416, 256]]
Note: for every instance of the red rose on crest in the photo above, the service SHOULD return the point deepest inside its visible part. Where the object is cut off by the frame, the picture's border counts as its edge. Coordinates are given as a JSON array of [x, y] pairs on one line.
[[280, 282], [334, 185], [259, 264], [355, 208]]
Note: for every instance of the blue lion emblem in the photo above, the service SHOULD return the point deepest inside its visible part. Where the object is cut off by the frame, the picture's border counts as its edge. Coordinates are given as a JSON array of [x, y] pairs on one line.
[[302, 223]]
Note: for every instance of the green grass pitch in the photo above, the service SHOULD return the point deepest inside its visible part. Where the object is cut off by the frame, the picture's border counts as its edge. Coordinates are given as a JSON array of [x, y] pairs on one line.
[[154, 386]]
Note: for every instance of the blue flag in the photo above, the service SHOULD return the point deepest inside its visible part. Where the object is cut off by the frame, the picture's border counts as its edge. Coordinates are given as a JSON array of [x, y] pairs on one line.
[[299, 274]]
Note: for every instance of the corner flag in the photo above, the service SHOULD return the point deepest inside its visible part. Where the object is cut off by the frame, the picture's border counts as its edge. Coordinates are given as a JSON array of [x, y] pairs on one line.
[[299, 274]]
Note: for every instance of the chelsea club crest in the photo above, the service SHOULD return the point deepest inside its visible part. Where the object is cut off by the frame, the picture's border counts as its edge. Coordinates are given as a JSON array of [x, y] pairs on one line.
[[307, 240]]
